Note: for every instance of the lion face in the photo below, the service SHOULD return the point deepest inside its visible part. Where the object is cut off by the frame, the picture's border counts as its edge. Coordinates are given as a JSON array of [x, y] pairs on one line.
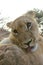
[[25, 30]]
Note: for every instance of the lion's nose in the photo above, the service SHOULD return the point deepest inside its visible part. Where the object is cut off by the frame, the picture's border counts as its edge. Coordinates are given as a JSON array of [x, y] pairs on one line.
[[28, 24]]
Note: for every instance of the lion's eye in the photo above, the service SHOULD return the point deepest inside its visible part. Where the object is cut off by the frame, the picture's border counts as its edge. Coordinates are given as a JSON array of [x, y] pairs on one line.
[[15, 31], [28, 24]]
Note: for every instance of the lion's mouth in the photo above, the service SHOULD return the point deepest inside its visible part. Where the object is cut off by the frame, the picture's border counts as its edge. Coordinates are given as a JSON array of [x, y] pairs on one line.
[[27, 45]]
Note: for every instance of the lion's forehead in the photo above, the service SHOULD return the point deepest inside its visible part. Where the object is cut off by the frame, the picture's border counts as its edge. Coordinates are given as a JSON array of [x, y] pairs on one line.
[[24, 19]]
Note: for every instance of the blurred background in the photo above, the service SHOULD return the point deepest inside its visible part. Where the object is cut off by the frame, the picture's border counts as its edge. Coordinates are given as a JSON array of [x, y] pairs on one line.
[[11, 9]]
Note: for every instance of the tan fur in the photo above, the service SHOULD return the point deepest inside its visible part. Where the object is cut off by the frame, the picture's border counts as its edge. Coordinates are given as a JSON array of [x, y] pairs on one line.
[[20, 36]]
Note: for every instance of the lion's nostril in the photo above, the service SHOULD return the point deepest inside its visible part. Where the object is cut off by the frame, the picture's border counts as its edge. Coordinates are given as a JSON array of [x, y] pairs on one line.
[[28, 24]]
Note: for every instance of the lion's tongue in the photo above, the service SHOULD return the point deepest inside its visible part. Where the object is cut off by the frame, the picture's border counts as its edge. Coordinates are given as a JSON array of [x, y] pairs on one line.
[[29, 48]]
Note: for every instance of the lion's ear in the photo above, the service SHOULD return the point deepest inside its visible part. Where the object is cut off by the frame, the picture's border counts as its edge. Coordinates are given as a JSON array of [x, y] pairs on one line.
[[9, 24], [31, 14]]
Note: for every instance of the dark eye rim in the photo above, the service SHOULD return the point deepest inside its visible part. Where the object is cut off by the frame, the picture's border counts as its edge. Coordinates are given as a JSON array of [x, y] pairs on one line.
[[28, 24], [15, 31]]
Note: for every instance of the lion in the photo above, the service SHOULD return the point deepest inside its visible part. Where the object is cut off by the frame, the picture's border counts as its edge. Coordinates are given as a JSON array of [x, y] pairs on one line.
[[24, 46]]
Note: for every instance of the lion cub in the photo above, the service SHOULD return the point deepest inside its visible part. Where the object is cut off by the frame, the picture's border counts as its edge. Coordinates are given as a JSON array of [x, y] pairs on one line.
[[24, 32]]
